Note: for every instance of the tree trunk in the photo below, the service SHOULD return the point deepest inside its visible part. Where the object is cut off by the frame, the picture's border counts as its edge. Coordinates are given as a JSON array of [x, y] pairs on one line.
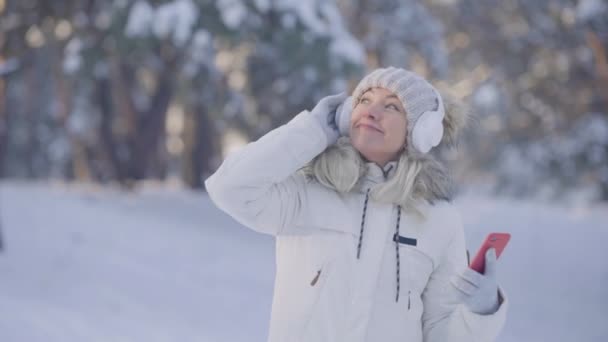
[[199, 147], [4, 124], [150, 130], [31, 89], [1, 237], [109, 148]]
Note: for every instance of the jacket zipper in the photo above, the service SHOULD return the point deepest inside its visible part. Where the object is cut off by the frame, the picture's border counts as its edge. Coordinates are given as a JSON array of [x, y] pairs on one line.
[[408, 299], [316, 278]]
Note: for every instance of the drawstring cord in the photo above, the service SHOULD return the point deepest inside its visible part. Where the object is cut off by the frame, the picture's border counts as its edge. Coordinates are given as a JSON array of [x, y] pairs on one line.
[[397, 249], [385, 173], [397, 226], [362, 224]]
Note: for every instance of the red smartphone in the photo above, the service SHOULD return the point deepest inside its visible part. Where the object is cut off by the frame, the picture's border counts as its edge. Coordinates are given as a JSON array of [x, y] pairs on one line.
[[498, 241]]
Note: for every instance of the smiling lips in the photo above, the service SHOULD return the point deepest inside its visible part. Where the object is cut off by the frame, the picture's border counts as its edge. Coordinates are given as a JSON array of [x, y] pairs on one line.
[[369, 126]]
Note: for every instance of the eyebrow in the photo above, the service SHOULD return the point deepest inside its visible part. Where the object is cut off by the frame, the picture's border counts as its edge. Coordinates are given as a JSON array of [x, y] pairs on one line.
[[372, 90]]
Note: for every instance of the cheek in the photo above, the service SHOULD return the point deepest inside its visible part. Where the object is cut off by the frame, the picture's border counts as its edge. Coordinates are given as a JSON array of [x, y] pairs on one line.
[[356, 114], [398, 128]]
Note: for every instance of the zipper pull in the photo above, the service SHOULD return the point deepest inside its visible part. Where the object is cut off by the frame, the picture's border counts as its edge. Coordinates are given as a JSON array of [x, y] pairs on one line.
[[316, 278], [408, 299]]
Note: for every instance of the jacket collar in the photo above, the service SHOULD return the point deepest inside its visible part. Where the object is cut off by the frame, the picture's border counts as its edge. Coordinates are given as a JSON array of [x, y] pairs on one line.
[[375, 174]]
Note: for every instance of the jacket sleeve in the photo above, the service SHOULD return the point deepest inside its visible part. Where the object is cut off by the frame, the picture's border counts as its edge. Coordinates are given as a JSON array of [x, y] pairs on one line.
[[444, 317], [258, 185]]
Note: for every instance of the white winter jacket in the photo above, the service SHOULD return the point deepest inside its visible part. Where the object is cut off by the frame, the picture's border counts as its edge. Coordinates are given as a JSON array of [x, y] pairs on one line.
[[323, 292]]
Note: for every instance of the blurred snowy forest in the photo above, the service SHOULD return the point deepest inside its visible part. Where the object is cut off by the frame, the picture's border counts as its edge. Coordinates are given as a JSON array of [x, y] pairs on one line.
[[121, 91]]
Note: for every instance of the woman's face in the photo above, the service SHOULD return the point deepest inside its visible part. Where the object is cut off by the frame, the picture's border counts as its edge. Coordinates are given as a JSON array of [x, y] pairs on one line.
[[378, 126]]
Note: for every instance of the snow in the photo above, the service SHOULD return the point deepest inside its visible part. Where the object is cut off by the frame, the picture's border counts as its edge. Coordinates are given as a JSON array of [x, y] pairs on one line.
[[486, 96], [350, 49], [201, 53], [581, 150], [73, 60], [262, 5], [324, 19], [587, 9], [82, 119], [177, 19], [103, 20], [8, 66], [233, 12], [89, 265], [140, 19], [174, 19], [85, 263]]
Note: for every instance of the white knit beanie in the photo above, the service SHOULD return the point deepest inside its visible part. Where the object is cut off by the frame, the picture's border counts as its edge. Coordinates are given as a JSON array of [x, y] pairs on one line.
[[422, 103]]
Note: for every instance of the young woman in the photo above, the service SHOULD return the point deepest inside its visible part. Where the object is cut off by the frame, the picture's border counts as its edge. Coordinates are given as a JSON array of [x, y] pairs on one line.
[[368, 245]]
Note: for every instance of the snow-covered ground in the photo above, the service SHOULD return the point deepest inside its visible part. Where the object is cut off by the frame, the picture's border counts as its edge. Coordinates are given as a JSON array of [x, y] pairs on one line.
[[82, 263]]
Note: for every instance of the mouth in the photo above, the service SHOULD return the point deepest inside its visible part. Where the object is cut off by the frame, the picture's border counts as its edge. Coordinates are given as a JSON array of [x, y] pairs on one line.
[[370, 127]]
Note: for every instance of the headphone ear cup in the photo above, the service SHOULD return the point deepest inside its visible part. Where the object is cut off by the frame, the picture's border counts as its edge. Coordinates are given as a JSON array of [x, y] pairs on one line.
[[427, 131], [343, 116]]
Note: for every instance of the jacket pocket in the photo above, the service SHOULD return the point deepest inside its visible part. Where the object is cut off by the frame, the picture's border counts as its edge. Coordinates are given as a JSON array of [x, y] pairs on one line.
[[313, 293], [302, 271], [416, 267]]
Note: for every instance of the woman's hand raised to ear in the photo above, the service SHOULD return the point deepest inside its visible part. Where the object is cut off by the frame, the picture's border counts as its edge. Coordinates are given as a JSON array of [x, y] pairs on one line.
[[325, 113], [479, 292]]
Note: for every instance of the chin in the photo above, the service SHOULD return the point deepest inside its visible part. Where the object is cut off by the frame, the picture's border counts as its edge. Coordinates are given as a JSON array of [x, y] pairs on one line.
[[368, 145], [369, 151]]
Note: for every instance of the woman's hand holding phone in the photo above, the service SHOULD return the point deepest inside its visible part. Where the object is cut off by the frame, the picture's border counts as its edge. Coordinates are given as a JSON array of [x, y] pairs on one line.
[[479, 290]]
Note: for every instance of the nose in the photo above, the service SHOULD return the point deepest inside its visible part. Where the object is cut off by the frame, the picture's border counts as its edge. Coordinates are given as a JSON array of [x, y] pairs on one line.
[[374, 111]]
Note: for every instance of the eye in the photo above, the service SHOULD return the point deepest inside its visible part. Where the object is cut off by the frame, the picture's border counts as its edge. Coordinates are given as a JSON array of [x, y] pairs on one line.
[[364, 100], [393, 107]]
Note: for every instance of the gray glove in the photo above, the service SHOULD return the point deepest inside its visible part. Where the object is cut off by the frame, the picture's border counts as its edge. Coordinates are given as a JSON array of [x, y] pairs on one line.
[[479, 292], [325, 113]]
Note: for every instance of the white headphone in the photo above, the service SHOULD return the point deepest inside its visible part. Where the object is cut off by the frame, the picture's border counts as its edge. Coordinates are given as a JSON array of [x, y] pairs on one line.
[[428, 129]]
